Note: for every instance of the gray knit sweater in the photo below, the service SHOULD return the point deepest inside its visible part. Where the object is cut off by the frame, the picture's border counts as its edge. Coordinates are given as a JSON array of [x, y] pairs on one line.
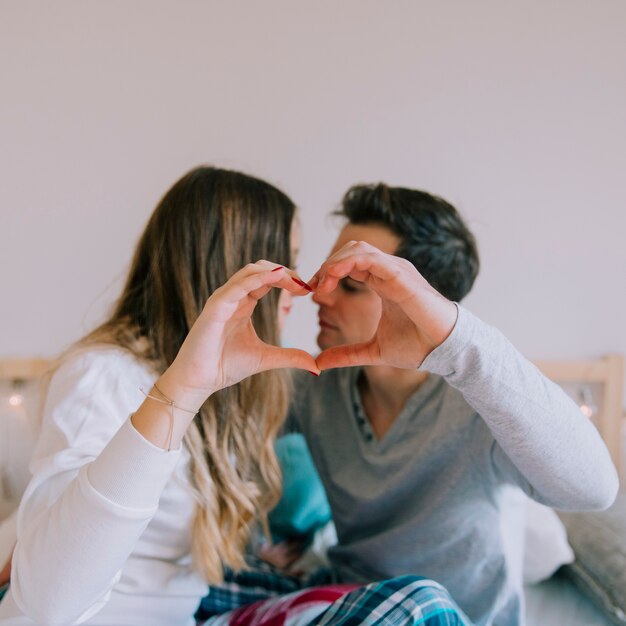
[[436, 496]]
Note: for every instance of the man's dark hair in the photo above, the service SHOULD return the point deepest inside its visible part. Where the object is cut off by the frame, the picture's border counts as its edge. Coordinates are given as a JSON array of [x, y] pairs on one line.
[[433, 235]]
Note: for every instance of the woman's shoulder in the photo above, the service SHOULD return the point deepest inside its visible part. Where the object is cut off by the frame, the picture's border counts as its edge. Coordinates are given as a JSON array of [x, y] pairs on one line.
[[100, 361], [95, 381]]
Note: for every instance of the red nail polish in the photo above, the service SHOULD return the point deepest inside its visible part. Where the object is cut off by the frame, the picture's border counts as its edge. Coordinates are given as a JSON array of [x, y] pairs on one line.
[[314, 374], [301, 283], [280, 267]]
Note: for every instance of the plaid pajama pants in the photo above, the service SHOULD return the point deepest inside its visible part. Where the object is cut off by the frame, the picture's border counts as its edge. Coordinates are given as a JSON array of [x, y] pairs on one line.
[[264, 597]]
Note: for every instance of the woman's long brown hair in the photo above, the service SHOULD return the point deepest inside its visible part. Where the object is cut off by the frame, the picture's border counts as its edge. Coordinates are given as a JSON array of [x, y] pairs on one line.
[[210, 224]]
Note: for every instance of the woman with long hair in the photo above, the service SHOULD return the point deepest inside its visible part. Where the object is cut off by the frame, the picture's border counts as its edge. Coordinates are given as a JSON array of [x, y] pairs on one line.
[[156, 452]]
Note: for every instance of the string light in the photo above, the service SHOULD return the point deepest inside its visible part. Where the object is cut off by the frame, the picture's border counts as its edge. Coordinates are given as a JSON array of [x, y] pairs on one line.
[[15, 433], [16, 399], [586, 402]]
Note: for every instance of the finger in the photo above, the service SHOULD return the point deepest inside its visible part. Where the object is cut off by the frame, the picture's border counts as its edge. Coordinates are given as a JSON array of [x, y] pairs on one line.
[[255, 268], [352, 355], [288, 272], [261, 292], [313, 282], [240, 288], [389, 276], [255, 280], [292, 283], [366, 267], [262, 266], [275, 357], [293, 276]]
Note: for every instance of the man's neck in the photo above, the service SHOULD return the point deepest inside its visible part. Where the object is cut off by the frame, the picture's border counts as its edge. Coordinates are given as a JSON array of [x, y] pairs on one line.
[[384, 391]]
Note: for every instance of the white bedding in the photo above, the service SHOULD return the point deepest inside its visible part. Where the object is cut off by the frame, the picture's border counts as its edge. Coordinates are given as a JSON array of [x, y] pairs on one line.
[[556, 602]]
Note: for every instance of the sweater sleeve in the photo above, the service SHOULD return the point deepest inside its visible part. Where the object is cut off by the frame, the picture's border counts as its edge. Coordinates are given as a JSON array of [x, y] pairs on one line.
[[96, 485], [543, 442]]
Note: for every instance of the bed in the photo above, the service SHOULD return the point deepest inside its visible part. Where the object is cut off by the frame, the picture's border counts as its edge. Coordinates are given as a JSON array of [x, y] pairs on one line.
[[591, 590], [584, 592]]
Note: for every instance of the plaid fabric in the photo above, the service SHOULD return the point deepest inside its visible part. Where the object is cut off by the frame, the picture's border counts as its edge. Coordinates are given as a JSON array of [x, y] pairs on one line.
[[299, 608], [399, 601], [260, 582], [262, 596]]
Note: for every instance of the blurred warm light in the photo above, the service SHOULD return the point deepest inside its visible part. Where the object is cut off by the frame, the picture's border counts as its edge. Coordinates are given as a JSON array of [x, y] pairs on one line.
[[586, 402], [587, 410], [16, 399]]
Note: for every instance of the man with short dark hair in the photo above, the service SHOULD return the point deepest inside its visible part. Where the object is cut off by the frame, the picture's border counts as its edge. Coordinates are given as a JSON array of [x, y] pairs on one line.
[[423, 446], [432, 234]]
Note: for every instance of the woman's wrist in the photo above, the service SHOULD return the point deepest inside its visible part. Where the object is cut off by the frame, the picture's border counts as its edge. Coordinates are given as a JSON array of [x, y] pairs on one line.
[[168, 410], [174, 387]]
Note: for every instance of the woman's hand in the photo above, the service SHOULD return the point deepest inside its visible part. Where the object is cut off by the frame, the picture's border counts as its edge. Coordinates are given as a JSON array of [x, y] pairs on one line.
[[222, 348], [415, 317]]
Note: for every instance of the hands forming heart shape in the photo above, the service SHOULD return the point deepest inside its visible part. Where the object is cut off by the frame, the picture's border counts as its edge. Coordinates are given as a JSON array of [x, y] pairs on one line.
[[223, 348]]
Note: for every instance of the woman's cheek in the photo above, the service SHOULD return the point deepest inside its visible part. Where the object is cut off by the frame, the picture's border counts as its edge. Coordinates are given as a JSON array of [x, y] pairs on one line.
[[284, 307]]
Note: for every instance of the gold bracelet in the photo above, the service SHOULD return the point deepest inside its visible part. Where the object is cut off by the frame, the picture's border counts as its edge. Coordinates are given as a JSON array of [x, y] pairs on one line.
[[169, 402]]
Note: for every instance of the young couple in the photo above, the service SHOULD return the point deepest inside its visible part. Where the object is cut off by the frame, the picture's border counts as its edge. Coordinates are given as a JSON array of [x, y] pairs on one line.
[[156, 451]]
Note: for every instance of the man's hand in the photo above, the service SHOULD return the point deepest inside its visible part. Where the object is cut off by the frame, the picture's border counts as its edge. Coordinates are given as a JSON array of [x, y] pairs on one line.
[[282, 555], [415, 317]]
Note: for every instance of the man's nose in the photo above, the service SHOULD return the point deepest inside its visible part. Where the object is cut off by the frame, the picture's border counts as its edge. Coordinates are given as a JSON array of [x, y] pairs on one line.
[[323, 299]]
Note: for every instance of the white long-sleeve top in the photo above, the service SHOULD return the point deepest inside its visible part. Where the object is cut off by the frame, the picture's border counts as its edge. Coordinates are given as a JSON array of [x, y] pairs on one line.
[[104, 529]]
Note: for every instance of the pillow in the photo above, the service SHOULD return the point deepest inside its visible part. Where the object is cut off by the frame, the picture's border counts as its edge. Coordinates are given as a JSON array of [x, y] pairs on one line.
[[599, 571], [545, 538], [303, 507]]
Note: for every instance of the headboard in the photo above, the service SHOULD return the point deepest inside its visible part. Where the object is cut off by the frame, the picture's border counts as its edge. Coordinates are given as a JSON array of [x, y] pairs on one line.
[[608, 372], [23, 369]]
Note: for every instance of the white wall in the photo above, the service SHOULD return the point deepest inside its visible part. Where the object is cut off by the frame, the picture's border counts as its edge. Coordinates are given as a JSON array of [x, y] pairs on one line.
[[515, 112]]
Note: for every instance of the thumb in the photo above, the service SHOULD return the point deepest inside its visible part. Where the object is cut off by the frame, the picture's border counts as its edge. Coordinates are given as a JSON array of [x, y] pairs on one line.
[[350, 355], [276, 358]]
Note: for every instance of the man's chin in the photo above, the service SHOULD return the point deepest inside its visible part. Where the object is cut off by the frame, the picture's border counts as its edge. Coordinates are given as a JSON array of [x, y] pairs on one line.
[[324, 342], [322, 345]]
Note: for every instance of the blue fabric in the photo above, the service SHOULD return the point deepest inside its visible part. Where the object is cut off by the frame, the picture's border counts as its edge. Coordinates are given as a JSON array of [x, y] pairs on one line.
[[303, 507]]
